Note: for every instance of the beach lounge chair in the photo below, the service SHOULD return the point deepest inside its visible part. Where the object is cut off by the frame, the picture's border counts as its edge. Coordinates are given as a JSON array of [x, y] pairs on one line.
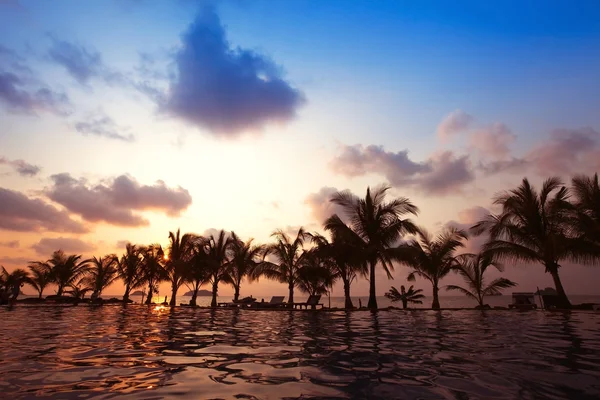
[[312, 302], [523, 301], [245, 302], [276, 302]]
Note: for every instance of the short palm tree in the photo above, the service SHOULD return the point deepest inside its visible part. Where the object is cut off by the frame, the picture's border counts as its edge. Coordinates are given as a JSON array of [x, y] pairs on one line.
[[472, 267], [315, 276], [219, 254], [180, 253], [245, 257], [376, 224], [66, 270], [129, 269], [13, 281], [40, 277], [535, 227], [197, 272], [406, 296], [77, 291], [431, 258], [288, 258], [101, 274], [152, 270]]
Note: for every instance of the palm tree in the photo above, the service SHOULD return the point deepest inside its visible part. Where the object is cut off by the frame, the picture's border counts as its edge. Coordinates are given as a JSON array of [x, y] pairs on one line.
[[102, 274], [406, 296], [535, 227], [77, 291], [197, 272], [152, 270], [586, 191], [65, 270], [245, 257], [219, 261], [315, 276], [40, 277], [431, 258], [289, 256], [347, 260], [13, 281], [376, 224], [129, 269], [180, 252], [472, 267]]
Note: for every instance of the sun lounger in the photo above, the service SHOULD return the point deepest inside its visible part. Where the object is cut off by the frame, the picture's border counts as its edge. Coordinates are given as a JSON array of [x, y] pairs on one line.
[[523, 301], [245, 302], [312, 302], [276, 302]]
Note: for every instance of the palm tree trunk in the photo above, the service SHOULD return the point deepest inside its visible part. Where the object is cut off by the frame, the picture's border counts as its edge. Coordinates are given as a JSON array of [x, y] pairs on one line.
[[348, 303], [40, 293], [372, 299], [236, 294], [291, 295], [560, 291], [195, 295], [404, 304], [436, 300], [59, 291], [126, 295], [173, 301], [215, 289], [150, 292]]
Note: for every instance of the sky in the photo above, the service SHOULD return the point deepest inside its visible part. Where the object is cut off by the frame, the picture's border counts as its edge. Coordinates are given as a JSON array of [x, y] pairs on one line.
[[122, 120]]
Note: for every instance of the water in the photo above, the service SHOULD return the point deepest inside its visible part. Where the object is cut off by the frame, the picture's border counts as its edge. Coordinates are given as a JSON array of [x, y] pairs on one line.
[[143, 352]]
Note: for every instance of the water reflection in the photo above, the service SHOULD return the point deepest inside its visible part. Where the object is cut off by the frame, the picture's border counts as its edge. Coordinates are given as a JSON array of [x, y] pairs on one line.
[[157, 352]]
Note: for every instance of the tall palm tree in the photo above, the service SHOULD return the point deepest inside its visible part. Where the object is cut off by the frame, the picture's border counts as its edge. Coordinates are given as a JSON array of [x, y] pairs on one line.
[[219, 254], [13, 281], [586, 191], [180, 253], [40, 277], [406, 296], [102, 273], [472, 267], [245, 256], [431, 258], [129, 269], [376, 224], [197, 272], [288, 255], [66, 270], [315, 276], [347, 260], [535, 227], [152, 268]]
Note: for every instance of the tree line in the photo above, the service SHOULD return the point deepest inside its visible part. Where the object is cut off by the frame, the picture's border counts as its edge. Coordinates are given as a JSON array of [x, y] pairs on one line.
[[547, 227]]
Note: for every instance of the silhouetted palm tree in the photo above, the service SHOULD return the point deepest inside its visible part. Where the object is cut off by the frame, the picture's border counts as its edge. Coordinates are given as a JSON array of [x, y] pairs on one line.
[[77, 291], [347, 260], [535, 228], [406, 296], [66, 270], [376, 224], [197, 272], [40, 277], [472, 267], [101, 274], [13, 281], [431, 258], [180, 253], [316, 275], [152, 268], [129, 269], [289, 256], [244, 259], [219, 256], [586, 191]]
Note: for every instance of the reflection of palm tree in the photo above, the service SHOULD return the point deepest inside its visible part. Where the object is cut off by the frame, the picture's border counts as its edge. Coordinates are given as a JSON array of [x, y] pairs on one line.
[[346, 260], [431, 258], [152, 270], [218, 250], [376, 224], [129, 269], [534, 227], [180, 253], [102, 274], [244, 259], [66, 270], [406, 296], [288, 255], [40, 277], [472, 267]]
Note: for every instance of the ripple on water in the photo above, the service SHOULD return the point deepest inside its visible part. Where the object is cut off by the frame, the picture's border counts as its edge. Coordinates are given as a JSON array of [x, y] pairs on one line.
[[138, 352]]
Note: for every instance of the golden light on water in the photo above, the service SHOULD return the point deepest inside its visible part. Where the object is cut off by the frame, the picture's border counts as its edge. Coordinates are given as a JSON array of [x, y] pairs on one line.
[[159, 308]]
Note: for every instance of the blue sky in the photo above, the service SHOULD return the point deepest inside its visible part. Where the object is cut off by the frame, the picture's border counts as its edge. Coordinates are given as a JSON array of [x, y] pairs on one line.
[[341, 76]]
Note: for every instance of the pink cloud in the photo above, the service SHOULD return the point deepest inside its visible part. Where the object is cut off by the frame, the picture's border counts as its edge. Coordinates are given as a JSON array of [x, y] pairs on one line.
[[70, 245], [454, 123]]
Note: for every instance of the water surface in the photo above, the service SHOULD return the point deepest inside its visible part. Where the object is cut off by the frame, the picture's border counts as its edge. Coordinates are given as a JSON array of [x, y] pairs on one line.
[[151, 353]]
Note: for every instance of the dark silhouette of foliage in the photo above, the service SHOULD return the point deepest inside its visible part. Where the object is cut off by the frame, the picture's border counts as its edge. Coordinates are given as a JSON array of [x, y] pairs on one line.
[[245, 257], [129, 269], [40, 277], [405, 296], [180, 253]]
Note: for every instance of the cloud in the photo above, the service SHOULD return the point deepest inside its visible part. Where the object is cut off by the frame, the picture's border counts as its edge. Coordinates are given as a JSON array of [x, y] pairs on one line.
[[21, 92], [23, 168], [16, 261], [454, 123], [117, 201], [13, 244], [121, 244], [320, 205], [225, 89], [47, 246], [23, 214], [442, 173], [103, 126], [493, 141], [466, 219]]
